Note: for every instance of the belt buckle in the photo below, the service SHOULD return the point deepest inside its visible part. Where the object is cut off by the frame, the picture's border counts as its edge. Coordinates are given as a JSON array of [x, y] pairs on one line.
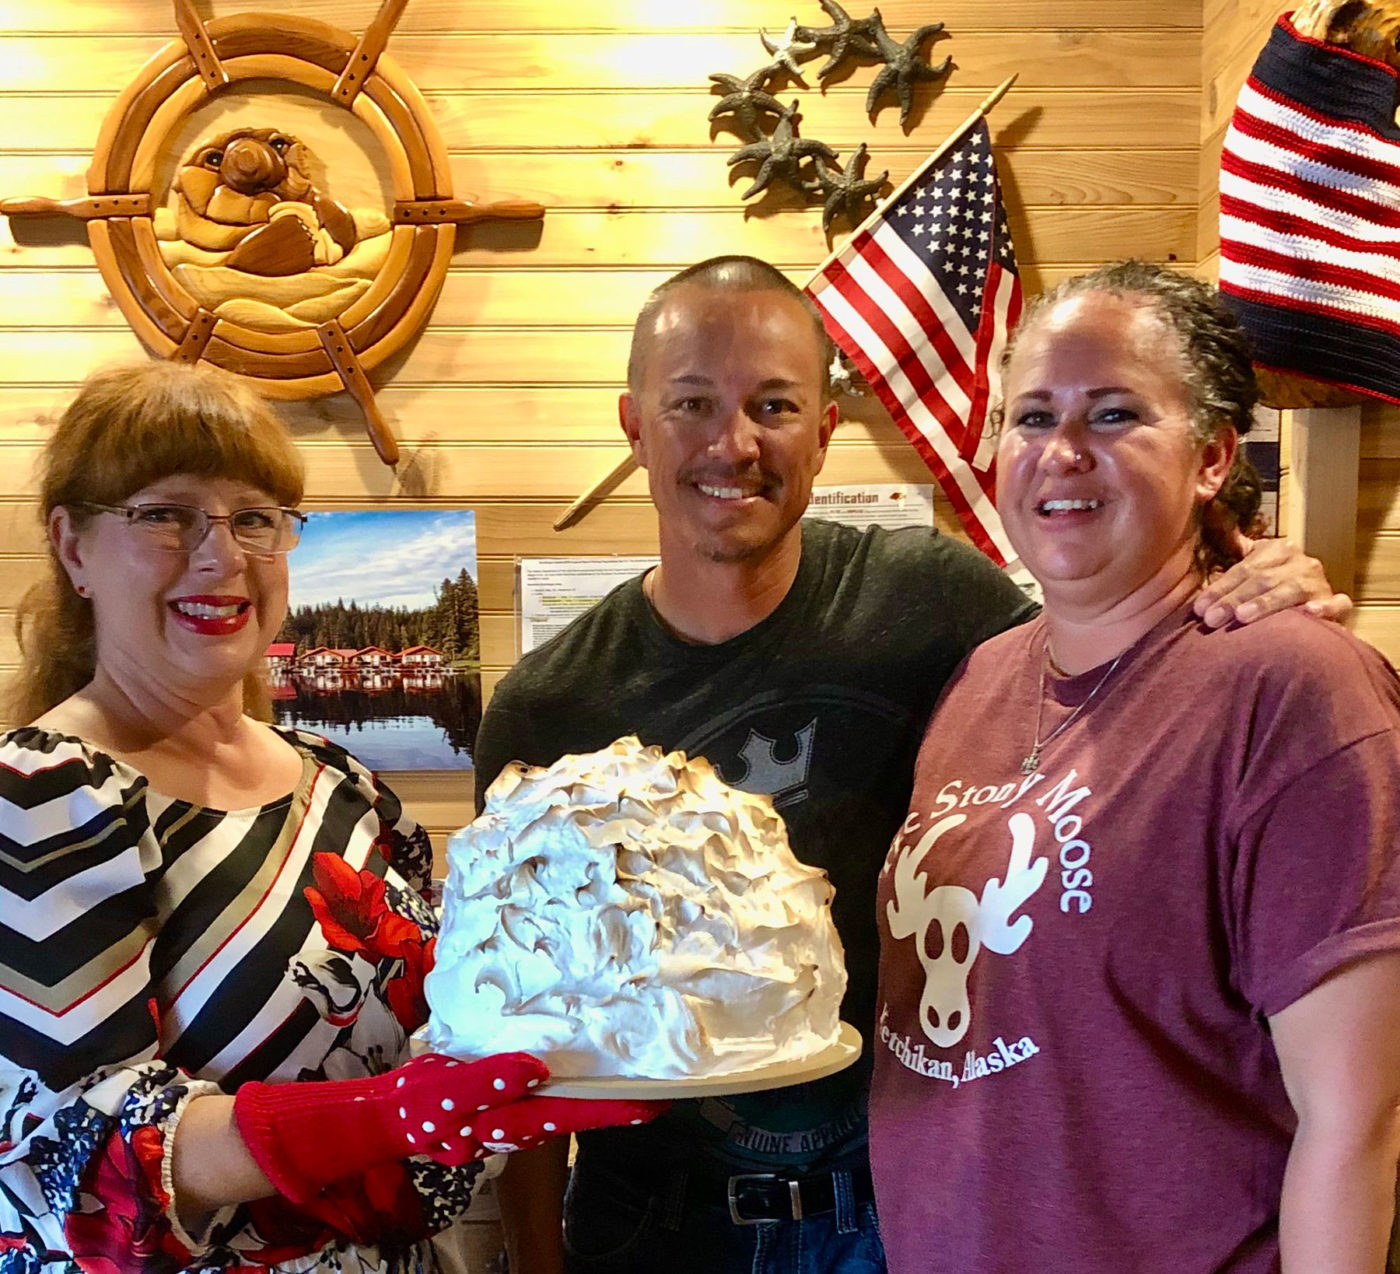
[[794, 1195]]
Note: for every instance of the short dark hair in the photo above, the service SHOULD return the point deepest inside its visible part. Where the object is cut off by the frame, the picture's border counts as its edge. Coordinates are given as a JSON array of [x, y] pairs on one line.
[[1216, 368], [735, 273]]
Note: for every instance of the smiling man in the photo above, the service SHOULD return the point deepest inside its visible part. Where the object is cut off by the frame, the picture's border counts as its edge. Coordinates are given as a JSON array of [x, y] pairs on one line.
[[728, 410], [802, 659]]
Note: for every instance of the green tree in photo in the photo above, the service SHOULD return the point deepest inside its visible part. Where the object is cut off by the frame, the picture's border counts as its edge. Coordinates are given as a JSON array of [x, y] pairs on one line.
[[450, 625]]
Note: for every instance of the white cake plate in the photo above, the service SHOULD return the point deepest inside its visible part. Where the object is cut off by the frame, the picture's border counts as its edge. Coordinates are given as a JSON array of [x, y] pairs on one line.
[[755, 1079]]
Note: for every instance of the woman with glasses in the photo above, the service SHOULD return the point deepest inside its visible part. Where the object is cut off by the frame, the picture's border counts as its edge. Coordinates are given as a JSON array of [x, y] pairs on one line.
[[196, 907]]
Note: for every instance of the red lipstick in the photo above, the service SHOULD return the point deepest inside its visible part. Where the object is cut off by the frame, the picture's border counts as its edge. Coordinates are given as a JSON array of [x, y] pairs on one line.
[[211, 615]]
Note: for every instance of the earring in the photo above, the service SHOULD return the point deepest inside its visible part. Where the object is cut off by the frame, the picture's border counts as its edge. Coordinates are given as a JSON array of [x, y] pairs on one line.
[[80, 589]]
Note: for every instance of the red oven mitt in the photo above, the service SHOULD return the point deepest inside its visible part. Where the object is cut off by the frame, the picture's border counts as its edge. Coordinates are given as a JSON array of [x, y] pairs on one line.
[[304, 1136]]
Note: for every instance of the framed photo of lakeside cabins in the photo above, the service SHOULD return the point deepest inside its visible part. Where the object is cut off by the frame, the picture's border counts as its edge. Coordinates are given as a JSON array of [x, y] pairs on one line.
[[381, 649]]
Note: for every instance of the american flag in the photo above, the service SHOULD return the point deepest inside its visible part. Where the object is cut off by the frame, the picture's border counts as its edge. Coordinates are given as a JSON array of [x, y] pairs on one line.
[[1310, 214], [921, 302]]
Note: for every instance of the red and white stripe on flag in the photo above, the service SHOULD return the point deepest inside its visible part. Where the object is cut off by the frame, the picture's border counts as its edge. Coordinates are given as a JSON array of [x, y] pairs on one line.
[[921, 302], [1310, 213]]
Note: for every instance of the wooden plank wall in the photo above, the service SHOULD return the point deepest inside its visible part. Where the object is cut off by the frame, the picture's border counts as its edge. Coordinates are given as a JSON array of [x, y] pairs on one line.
[[507, 403], [1233, 33]]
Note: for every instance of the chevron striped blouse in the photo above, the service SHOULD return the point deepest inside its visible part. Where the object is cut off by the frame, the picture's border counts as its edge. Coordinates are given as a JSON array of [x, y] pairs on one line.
[[152, 950]]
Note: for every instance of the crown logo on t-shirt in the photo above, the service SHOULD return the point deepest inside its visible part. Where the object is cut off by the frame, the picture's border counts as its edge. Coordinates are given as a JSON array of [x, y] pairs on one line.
[[784, 781]]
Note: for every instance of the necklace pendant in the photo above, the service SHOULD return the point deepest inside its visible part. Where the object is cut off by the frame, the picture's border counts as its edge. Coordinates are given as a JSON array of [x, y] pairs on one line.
[[1032, 762]]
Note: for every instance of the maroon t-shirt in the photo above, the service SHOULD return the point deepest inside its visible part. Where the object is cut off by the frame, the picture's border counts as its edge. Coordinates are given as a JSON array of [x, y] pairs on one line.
[[1073, 1069]]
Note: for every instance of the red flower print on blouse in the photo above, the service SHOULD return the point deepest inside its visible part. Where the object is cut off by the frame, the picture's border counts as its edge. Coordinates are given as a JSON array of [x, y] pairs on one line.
[[405, 993], [379, 1206], [354, 916], [386, 844], [126, 1232]]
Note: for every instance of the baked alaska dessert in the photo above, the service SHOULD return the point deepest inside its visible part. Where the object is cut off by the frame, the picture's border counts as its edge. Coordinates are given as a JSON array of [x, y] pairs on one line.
[[627, 913]]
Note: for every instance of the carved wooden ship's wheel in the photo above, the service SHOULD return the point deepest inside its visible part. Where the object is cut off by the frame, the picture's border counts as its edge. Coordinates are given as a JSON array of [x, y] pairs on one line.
[[355, 74]]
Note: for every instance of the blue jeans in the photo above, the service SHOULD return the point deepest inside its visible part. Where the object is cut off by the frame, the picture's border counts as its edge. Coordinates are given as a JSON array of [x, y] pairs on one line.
[[649, 1222]]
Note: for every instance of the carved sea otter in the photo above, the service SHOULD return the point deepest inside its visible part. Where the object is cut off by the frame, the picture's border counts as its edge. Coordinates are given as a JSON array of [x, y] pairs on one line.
[[249, 192]]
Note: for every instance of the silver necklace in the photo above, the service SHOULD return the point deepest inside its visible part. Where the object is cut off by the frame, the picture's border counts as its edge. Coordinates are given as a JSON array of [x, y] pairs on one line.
[[1032, 761]]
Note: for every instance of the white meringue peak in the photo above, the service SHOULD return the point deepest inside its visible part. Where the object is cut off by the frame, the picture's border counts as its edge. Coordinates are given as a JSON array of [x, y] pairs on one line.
[[627, 913]]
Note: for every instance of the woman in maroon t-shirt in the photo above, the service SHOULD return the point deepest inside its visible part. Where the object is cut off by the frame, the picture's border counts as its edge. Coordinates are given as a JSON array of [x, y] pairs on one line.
[[1140, 961]]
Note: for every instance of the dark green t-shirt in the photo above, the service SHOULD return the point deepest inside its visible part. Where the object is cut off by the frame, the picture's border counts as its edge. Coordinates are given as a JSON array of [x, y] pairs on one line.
[[822, 705]]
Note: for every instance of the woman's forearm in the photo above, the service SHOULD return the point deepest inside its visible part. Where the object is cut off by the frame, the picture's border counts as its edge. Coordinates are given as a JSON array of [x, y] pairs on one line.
[[1339, 1053], [211, 1166], [1338, 1203]]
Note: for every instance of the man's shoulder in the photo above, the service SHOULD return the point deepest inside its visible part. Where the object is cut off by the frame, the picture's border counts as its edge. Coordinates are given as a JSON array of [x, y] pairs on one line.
[[880, 543], [580, 649], [913, 551], [919, 577]]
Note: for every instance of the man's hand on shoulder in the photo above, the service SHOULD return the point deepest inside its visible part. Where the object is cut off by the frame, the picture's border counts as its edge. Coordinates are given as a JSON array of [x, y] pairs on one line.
[[1273, 575]]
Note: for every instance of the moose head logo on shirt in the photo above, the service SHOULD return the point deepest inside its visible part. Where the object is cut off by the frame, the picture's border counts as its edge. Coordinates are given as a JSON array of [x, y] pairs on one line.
[[952, 925]]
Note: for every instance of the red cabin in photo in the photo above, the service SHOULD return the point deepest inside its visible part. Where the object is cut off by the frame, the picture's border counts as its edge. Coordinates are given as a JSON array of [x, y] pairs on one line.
[[421, 657]]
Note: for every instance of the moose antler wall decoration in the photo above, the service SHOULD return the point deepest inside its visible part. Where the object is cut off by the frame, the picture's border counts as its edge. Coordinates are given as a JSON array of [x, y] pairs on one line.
[[255, 268]]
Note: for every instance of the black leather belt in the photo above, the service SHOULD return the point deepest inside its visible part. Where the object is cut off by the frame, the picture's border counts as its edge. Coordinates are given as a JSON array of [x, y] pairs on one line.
[[766, 1196]]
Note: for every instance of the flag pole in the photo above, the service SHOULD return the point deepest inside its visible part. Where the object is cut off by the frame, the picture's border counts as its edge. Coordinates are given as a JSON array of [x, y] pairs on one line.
[[600, 490], [605, 486], [949, 142]]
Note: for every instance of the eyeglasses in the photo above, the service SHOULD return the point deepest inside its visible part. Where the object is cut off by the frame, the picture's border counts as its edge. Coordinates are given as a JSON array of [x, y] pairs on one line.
[[182, 528]]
